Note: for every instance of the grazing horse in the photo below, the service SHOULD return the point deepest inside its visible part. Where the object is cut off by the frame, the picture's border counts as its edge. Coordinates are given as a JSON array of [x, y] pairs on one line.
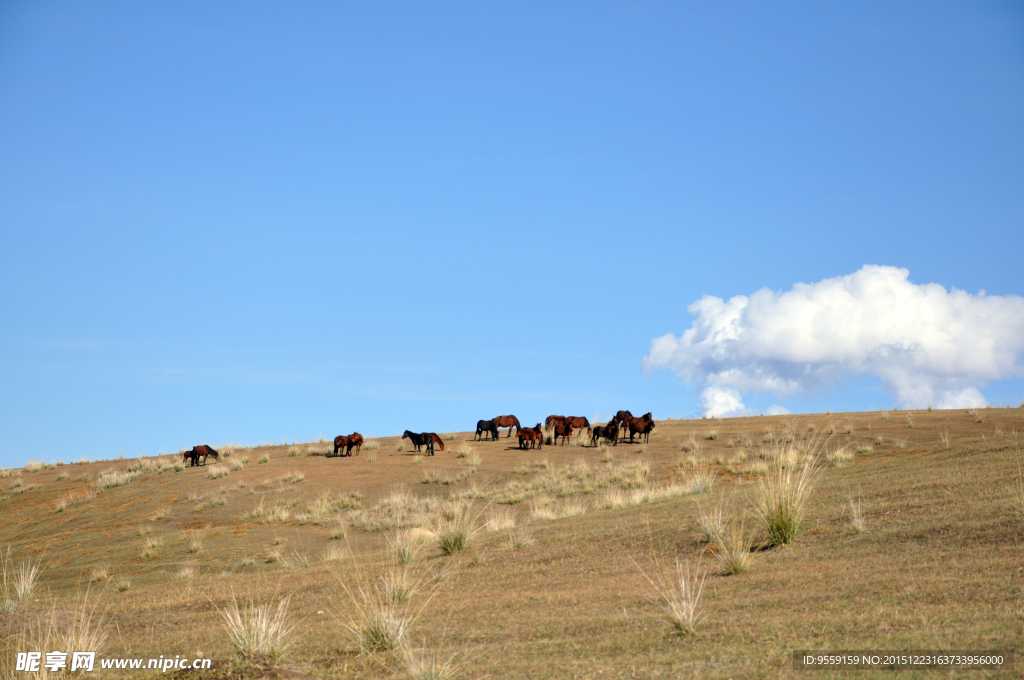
[[509, 422], [353, 440], [563, 430], [553, 420], [624, 416], [428, 438], [201, 450], [488, 426], [640, 426], [596, 433], [578, 422]]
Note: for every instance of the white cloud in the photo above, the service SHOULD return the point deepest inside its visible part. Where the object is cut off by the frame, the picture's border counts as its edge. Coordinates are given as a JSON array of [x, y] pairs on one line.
[[929, 345], [777, 410], [717, 402]]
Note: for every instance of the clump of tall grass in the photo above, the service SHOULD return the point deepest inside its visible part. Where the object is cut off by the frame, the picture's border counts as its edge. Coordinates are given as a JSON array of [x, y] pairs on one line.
[[260, 629], [711, 521], [293, 477], [371, 445], [273, 515], [112, 478], [699, 482], [194, 542], [712, 435], [839, 457], [34, 466], [500, 520], [856, 513], [456, 532], [463, 451], [263, 459], [679, 597], [692, 446], [236, 464], [427, 665], [781, 500], [217, 471], [122, 585], [514, 538], [184, 573], [733, 551], [99, 574], [945, 439], [910, 421]]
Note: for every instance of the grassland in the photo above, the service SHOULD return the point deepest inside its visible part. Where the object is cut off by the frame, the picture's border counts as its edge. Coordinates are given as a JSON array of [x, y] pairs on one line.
[[911, 538]]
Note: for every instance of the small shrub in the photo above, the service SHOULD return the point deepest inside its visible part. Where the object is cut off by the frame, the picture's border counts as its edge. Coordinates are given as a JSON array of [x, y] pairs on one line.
[[179, 467], [712, 435], [293, 453], [900, 444], [122, 585], [62, 476], [454, 534], [463, 451], [235, 464], [99, 574], [263, 459]]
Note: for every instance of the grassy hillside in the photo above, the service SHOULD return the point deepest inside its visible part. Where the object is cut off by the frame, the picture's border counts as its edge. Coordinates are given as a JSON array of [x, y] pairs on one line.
[[568, 546]]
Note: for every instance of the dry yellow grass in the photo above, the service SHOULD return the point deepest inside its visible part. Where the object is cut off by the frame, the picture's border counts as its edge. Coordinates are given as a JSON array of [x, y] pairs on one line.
[[941, 525]]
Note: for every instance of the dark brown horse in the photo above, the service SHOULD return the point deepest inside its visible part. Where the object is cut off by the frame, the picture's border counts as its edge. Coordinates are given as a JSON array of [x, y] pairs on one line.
[[201, 450], [609, 432], [563, 430], [641, 426], [354, 440], [509, 422], [553, 420], [624, 422], [488, 426], [624, 416]]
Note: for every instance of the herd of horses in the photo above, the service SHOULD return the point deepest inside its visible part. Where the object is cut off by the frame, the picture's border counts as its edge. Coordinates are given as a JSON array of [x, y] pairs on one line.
[[561, 427]]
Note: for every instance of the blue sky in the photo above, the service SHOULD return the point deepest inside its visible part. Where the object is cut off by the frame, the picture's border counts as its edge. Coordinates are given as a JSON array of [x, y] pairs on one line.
[[266, 221]]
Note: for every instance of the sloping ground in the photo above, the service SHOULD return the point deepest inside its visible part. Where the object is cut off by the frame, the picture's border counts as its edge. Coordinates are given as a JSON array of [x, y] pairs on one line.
[[938, 566]]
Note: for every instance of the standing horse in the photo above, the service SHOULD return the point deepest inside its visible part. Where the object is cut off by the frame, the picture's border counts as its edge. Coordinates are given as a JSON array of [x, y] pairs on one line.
[[353, 440], [201, 450], [418, 440], [578, 422], [488, 426], [641, 426], [534, 435], [553, 420], [563, 430], [509, 422]]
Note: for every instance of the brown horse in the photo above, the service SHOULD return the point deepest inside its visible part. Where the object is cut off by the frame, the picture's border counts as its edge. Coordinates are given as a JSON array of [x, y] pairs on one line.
[[563, 430], [488, 426], [509, 422], [533, 435], [641, 426], [609, 432], [553, 420], [624, 416], [578, 422], [629, 418], [354, 440], [201, 450]]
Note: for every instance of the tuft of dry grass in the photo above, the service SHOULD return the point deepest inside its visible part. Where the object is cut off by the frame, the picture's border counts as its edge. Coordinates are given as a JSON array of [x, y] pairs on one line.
[[781, 500], [500, 520], [679, 597], [425, 664], [463, 451], [514, 539], [184, 573], [856, 514], [99, 574], [34, 466], [263, 459], [261, 629], [945, 439], [699, 482], [194, 542], [236, 464], [711, 521], [371, 445], [733, 552], [122, 585], [293, 477], [840, 456], [112, 478], [456, 532]]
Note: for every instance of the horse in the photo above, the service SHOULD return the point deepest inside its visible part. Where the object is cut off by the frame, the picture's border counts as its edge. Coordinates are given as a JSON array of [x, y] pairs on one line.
[[201, 450], [624, 416], [563, 430], [509, 422], [534, 435], [640, 426], [611, 431], [578, 422], [488, 426], [596, 433], [553, 420], [353, 440], [428, 438]]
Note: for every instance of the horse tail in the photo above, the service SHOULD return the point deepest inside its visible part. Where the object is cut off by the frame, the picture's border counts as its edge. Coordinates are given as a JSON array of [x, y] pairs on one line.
[[437, 440]]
